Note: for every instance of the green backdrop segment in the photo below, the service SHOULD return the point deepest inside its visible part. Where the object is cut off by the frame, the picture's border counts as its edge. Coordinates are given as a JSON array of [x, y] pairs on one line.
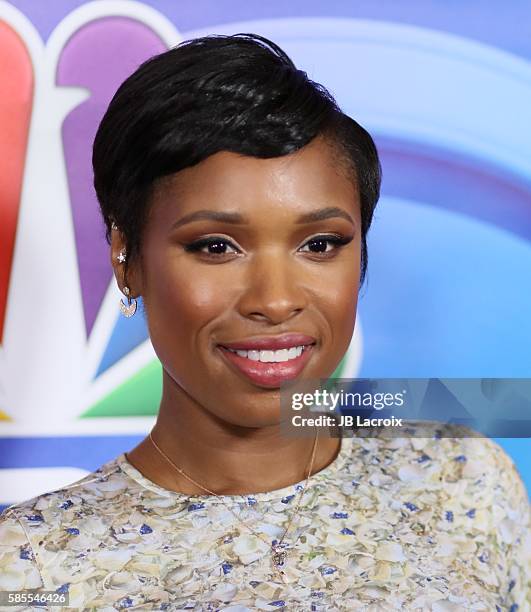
[[141, 394], [337, 372], [138, 396], [340, 367], [329, 382]]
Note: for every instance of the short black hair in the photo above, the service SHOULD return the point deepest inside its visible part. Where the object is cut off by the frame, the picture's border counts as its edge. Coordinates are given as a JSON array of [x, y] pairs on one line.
[[239, 93]]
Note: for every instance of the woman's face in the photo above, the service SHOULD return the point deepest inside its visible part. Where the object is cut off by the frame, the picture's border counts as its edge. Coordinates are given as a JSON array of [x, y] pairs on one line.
[[251, 267]]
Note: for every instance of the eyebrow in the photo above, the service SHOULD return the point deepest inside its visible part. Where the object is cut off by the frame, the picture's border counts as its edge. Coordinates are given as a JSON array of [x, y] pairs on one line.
[[325, 213], [238, 219]]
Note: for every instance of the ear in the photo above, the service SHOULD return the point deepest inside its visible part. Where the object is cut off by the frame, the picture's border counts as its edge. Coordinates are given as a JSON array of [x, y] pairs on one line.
[[119, 268]]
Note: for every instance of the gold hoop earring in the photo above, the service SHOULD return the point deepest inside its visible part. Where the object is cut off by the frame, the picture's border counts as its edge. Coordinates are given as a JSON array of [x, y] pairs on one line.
[[129, 309]]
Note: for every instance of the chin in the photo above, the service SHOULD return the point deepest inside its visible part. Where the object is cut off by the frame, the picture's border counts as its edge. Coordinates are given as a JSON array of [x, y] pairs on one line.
[[253, 418]]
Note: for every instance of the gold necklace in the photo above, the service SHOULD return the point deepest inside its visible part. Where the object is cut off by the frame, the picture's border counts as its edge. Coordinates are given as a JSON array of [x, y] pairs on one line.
[[279, 549]]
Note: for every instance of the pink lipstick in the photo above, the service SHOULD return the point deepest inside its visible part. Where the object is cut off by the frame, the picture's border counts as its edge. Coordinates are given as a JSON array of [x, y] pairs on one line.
[[269, 360]]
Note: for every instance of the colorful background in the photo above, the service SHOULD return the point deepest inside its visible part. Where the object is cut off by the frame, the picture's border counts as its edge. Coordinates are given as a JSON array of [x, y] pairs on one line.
[[444, 88]]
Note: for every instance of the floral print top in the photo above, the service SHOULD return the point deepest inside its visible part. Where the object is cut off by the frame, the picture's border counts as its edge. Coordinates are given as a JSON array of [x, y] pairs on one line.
[[441, 524]]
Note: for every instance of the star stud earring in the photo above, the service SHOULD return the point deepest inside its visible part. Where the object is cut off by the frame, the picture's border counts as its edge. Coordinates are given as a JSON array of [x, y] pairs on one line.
[[129, 309]]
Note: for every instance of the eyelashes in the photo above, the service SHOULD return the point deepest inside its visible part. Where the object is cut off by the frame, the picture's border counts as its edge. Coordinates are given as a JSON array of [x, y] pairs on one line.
[[197, 245], [337, 241], [218, 243]]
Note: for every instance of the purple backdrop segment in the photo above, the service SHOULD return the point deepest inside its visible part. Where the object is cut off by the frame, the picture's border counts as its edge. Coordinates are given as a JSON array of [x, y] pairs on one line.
[[485, 22], [98, 57], [442, 178]]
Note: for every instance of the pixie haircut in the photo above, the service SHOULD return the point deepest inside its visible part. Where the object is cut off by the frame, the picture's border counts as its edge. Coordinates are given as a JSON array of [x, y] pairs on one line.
[[238, 93]]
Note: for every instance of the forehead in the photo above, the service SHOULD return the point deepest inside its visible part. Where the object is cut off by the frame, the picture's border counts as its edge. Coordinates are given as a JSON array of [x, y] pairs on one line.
[[314, 176]]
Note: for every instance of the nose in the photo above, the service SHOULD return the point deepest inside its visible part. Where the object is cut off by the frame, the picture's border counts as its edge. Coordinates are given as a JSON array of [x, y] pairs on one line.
[[273, 291]]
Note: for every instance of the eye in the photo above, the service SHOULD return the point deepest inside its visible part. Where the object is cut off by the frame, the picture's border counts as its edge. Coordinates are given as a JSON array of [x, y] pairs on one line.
[[216, 246], [321, 243]]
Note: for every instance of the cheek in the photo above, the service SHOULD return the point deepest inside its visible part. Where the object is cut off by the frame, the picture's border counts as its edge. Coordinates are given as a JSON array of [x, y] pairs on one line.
[[338, 300], [181, 302], [340, 312]]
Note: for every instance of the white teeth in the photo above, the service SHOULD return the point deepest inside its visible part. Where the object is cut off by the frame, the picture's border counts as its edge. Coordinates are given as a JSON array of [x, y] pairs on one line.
[[271, 356], [293, 352]]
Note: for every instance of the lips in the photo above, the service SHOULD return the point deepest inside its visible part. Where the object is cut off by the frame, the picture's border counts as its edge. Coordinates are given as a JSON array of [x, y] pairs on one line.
[[271, 343], [268, 374]]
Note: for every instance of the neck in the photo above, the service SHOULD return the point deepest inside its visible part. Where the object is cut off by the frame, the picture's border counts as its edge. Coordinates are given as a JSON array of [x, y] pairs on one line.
[[227, 459]]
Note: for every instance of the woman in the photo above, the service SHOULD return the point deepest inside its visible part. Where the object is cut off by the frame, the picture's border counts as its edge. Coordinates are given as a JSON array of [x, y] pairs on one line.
[[237, 199]]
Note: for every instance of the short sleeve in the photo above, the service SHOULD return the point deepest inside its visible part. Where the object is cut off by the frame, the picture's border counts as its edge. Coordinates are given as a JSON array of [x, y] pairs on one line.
[[18, 566]]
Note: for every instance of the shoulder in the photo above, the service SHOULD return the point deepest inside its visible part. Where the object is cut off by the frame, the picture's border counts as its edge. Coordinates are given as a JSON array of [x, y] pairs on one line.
[[459, 472], [106, 482], [467, 485], [39, 532], [506, 503], [452, 453], [486, 464], [18, 567]]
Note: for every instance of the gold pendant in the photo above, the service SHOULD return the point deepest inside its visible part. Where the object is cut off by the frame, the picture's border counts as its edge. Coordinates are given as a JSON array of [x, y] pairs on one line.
[[279, 555]]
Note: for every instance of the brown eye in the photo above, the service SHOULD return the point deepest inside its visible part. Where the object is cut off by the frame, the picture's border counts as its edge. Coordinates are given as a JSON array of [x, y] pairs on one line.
[[320, 244], [215, 246]]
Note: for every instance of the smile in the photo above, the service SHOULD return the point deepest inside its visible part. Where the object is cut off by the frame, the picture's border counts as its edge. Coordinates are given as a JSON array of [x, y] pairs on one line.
[[279, 356], [268, 368]]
